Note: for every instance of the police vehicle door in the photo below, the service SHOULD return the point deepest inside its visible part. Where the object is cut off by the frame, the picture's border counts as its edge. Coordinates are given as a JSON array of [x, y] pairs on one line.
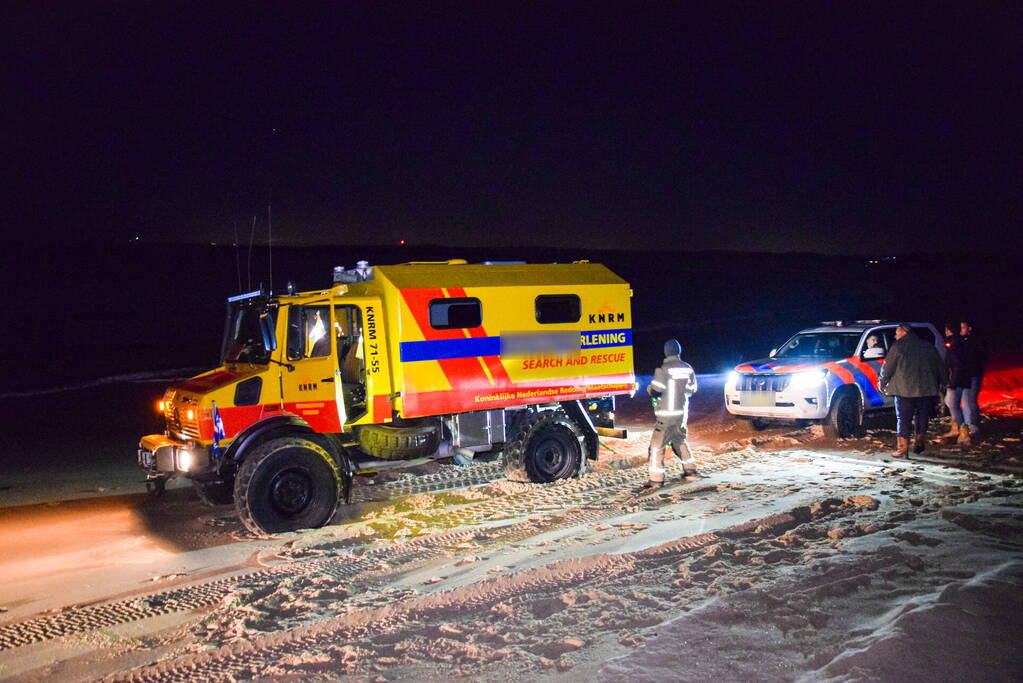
[[886, 336]]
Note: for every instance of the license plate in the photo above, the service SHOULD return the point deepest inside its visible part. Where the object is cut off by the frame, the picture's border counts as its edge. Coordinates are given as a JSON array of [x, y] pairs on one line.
[[757, 398]]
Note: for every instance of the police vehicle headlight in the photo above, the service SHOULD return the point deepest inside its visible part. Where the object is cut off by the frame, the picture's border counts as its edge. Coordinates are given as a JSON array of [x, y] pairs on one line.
[[731, 379], [810, 379]]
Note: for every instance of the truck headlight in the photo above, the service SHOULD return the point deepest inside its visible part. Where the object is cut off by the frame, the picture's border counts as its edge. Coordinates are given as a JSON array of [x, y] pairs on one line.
[[184, 460], [731, 379], [809, 379]]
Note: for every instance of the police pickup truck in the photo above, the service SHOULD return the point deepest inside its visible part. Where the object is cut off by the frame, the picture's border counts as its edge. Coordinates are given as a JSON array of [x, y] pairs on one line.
[[827, 374]]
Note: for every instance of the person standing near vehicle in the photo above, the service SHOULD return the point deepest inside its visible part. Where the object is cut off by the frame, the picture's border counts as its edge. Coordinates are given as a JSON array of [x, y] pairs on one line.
[[672, 386], [974, 354], [914, 374], [958, 382]]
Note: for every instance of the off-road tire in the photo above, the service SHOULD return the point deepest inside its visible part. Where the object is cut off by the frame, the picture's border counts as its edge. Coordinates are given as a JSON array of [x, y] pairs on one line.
[[403, 442], [544, 447], [760, 424], [845, 419], [214, 492], [286, 484]]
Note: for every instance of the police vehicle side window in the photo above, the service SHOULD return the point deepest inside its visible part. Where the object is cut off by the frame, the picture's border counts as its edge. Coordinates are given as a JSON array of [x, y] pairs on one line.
[[925, 334], [552, 309], [888, 335], [450, 314]]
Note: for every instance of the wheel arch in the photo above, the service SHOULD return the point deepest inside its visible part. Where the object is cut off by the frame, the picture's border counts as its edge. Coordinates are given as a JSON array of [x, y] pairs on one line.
[[843, 389], [289, 425]]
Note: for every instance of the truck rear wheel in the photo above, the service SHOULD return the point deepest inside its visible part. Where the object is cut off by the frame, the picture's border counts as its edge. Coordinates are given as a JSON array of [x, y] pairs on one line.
[[403, 442], [544, 447], [286, 484]]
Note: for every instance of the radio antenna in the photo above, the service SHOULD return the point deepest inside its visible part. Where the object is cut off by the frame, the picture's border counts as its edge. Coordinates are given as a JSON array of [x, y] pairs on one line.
[[252, 237], [237, 257], [270, 246]]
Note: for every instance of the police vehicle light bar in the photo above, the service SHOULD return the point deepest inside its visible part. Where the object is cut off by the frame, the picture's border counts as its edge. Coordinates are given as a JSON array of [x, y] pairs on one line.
[[843, 323]]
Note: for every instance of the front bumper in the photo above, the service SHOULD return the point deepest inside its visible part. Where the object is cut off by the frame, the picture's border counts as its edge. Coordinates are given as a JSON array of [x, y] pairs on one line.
[[160, 456], [790, 404]]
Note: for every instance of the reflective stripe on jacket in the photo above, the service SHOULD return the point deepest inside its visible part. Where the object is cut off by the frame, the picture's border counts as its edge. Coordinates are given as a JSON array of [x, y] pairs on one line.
[[673, 383]]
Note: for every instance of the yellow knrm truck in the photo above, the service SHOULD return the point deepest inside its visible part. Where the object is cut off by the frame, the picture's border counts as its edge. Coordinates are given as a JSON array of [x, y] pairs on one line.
[[397, 363]]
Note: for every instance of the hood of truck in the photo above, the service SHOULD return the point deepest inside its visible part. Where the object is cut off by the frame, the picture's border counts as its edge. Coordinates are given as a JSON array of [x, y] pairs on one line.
[[218, 378], [782, 366]]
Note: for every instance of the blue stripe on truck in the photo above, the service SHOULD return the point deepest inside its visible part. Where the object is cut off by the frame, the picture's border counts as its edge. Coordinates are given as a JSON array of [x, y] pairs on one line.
[[442, 349]]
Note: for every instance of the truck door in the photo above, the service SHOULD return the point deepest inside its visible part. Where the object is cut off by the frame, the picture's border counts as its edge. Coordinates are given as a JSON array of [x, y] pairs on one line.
[[351, 360], [312, 390]]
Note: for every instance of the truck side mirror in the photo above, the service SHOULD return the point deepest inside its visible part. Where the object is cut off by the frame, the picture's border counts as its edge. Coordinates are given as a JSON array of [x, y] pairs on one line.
[[773, 353], [266, 327]]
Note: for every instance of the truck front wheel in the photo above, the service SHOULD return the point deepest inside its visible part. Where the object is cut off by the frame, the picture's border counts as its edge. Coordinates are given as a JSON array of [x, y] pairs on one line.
[[544, 447], [286, 484]]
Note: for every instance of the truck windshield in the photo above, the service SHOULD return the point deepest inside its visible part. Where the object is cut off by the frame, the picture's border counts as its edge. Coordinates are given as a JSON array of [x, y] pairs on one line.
[[831, 345], [243, 338]]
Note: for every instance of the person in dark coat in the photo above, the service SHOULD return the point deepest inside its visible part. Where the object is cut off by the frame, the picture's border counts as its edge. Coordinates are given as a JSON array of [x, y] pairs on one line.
[[914, 374], [974, 354], [958, 381]]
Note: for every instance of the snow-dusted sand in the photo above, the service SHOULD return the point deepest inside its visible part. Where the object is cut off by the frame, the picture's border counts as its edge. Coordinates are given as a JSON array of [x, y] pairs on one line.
[[798, 558]]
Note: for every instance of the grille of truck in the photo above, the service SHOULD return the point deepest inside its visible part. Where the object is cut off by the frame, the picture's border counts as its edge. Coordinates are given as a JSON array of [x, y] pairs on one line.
[[178, 422], [763, 382]]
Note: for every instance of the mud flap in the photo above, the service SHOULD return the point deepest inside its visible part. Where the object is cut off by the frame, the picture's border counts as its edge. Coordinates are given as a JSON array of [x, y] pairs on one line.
[[347, 475], [590, 441]]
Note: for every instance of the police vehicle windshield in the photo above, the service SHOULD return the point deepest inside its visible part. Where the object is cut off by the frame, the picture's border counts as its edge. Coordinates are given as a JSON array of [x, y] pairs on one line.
[[820, 345]]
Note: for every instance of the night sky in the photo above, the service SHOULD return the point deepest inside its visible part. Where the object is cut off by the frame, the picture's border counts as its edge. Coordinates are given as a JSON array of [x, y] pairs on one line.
[[829, 127]]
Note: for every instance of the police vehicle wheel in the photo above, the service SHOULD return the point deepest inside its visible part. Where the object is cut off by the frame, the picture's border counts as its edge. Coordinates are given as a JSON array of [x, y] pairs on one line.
[[760, 424], [844, 419], [287, 484], [544, 447], [403, 442], [215, 492]]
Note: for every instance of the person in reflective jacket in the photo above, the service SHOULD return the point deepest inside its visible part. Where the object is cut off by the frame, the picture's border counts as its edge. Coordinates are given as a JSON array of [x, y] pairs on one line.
[[673, 383]]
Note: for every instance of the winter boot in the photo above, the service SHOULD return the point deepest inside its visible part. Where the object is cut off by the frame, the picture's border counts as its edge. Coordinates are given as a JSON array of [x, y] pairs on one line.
[[974, 430], [903, 449], [919, 443], [692, 476], [964, 436], [953, 431]]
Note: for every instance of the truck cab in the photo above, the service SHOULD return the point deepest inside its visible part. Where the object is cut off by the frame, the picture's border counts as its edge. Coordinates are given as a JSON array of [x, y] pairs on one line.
[[827, 374]]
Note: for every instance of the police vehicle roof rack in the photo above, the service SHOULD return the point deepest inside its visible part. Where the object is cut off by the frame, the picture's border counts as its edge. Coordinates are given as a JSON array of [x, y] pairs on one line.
[[843, 323]]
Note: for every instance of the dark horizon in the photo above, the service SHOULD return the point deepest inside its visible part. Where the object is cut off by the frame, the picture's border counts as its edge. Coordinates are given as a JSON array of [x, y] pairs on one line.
[[260, 244]]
